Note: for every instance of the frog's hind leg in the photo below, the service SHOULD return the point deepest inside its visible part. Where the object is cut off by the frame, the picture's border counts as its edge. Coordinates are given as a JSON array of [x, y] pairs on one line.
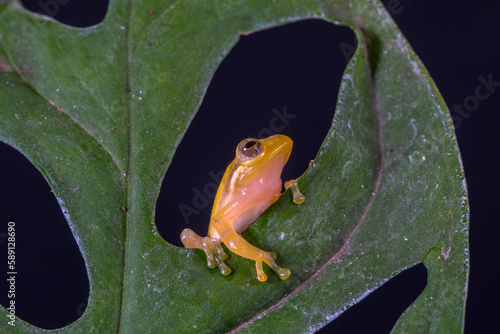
[[212, 248], [240, 246]]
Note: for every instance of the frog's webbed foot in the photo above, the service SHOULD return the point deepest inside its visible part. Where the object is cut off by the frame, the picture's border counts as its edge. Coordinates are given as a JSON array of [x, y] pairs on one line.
[[298, 197], [212, 248], [270, 259]]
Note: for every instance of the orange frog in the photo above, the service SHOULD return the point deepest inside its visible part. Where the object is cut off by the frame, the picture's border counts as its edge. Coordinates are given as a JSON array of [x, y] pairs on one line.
[[251, 183]]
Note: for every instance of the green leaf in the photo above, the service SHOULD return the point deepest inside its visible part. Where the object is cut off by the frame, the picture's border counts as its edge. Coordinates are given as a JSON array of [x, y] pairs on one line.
[[99, 109]]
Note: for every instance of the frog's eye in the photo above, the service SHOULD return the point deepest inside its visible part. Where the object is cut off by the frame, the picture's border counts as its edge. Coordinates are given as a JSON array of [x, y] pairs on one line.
[[249, 148]]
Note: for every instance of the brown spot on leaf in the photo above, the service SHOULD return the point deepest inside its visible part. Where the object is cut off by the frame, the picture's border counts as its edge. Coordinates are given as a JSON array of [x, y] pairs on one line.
[[4, 67]]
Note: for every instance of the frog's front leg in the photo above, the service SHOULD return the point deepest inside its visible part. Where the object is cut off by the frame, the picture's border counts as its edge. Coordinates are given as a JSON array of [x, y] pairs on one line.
[[298, 197], [240, 246], [212, 248]]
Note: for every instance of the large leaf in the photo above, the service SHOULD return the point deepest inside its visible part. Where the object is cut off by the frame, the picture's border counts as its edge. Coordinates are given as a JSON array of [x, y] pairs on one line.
[[98, 110]]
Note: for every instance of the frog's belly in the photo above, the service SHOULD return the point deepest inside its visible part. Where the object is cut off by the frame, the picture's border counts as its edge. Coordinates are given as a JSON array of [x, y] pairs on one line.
[[249, 215]]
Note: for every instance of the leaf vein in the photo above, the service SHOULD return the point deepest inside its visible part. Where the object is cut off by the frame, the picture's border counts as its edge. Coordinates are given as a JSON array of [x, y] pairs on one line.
[[57, 107]]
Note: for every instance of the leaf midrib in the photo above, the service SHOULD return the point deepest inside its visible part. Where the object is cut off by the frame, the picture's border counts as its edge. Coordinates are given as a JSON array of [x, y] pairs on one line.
[[127, 189]]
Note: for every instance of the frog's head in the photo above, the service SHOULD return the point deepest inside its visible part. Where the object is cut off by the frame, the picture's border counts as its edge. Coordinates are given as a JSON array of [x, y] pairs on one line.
[[268, 154]]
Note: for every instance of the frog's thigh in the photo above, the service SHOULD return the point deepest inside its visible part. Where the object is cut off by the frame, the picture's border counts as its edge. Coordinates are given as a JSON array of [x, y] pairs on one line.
[[240, 246]]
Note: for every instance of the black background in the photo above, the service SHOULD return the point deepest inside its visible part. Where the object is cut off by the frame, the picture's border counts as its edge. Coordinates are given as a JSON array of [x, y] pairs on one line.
[[296, 66]]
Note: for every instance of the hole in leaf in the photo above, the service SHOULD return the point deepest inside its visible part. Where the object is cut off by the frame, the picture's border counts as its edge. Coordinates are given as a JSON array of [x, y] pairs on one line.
[[51, 285], [281, 80], [76, 13], [380, 310]]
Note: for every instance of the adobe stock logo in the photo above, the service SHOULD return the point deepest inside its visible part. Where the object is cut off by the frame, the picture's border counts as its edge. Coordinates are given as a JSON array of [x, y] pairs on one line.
[[203, 198], [471, 103], [51, 7]]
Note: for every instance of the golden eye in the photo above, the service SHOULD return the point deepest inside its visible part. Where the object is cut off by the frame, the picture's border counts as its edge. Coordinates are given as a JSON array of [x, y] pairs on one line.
[[249, 148]]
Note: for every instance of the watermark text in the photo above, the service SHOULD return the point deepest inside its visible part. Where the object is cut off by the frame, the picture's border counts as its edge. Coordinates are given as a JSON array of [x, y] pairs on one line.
[[11, 272]]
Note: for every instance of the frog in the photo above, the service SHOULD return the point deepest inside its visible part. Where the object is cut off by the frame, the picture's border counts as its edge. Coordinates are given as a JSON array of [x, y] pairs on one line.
[[251, 183]]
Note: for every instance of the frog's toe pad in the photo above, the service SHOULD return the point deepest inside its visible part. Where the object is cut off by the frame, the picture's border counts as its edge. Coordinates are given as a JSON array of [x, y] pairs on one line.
[[284, 273], [261, 275], [224, 269], [190, 239]]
